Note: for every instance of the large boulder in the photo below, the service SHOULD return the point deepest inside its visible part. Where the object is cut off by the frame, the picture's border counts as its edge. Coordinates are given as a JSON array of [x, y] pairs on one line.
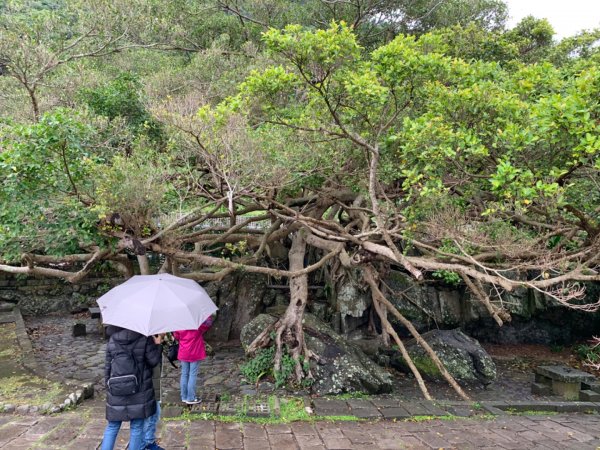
[[352, 303], [462, 355], [343, 367], [240, 298]]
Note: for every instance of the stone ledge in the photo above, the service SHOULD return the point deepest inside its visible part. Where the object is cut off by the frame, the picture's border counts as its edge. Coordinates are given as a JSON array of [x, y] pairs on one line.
[[540, 406], [80, 392], [72, 400]]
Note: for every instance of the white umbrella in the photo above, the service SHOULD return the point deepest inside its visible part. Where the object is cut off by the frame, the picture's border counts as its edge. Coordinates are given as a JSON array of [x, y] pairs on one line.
[[153, 304]]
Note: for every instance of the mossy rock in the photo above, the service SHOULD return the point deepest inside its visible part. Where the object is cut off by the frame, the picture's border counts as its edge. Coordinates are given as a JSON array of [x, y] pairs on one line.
[[342, 367], [462, 356]]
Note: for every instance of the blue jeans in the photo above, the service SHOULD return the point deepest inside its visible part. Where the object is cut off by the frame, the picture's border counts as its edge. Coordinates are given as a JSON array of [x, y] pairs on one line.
[[189, 373], [112, 430], [150, 428]]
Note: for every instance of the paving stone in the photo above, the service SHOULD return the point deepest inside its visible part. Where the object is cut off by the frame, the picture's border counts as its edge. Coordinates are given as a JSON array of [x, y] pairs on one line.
[[395, 413], [279, 428], [417, 409], [169, 411], [256, 444], [367, 413], [303, 429], [461, 411], [173, 433], [358, 437], [11, 432], [228, 439], [338, 443], [386, 402], [254, 431], [360, 404], [64, 433], [493, 410], [324, 407], [434, 409], [43, 426], [282, 441]]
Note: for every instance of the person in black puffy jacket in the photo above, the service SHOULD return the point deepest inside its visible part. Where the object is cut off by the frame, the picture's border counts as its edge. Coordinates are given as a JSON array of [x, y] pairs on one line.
[[134, 407]]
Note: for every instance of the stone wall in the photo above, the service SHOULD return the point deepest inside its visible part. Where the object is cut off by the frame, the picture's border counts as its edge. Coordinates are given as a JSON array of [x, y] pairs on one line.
[[38, 296], [429, 305], [535, 318]]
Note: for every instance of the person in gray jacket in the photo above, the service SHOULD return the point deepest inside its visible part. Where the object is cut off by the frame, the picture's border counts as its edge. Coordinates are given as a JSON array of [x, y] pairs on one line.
[[125, 347]]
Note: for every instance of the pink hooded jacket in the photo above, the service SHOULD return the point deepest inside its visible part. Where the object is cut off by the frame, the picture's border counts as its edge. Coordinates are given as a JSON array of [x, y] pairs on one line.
[[191, 342]]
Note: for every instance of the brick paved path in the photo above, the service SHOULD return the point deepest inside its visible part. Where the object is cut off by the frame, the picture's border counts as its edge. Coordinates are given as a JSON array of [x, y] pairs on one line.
[[82, 429]]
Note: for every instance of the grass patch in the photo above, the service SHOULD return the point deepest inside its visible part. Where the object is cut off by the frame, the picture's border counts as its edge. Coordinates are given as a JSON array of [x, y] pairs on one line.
[[512, 412], [291, 410], [9, 348], [30, 390], [427, 418], [351, 395]]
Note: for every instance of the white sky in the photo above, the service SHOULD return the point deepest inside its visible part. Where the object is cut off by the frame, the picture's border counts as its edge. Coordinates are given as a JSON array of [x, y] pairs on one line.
[[566, 16]]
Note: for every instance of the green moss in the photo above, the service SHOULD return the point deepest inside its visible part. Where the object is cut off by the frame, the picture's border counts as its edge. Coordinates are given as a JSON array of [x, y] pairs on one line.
[[426, 366], [30, 390], [427, 418], [351, 395], [291, 410], [9, 348]]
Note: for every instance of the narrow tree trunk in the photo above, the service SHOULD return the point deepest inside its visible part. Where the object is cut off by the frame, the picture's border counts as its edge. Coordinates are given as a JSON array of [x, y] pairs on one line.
[[385, 324], [288, 329], [166, 266], [436, 360], [34, 103], [483, 298], [144, 264], [125, 269]]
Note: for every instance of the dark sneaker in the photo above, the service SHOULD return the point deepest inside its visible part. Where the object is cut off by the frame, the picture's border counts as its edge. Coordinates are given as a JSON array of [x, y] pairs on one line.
[[192, 402], [153, 446]]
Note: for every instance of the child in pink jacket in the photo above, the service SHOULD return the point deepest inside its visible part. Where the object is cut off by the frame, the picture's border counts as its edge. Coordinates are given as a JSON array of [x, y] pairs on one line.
[[191, 352]]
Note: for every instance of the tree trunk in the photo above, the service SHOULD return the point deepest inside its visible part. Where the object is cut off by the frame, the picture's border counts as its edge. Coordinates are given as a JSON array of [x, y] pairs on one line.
[[144, 264], [288, 329], [34, 103]]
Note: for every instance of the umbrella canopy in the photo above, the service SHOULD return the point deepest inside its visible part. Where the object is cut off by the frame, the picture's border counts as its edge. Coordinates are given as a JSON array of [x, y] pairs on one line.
[[153, 304]]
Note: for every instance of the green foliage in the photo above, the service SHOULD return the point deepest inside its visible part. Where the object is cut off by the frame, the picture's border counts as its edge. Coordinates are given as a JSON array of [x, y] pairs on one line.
[[259, 366], [47, 173], [448, 276], [588, 353], [287, 370], [122, 98]]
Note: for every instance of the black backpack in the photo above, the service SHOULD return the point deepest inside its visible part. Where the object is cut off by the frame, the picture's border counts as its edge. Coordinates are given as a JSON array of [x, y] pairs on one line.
[[125, 377]]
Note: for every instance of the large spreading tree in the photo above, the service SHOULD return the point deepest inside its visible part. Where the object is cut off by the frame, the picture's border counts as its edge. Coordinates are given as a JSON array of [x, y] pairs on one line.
[[476, 164]]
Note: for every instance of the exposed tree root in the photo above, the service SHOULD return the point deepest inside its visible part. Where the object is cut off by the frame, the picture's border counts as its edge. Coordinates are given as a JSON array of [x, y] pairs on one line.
[[370, 276], [288, 331], [389, 330], [476, 288]]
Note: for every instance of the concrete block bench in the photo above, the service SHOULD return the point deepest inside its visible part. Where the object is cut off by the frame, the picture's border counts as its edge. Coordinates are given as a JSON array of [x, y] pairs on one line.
[[561, 380]]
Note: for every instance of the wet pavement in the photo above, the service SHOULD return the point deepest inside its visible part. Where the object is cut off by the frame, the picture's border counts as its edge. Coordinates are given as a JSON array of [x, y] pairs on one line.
[[81, 359], [62, 356], [82, 429]]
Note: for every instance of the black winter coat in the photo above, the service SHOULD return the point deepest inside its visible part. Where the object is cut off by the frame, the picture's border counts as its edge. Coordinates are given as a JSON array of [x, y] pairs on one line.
[[147, 355]]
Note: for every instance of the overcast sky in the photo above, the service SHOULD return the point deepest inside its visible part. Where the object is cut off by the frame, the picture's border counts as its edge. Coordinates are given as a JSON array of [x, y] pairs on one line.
[[566, 16]]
